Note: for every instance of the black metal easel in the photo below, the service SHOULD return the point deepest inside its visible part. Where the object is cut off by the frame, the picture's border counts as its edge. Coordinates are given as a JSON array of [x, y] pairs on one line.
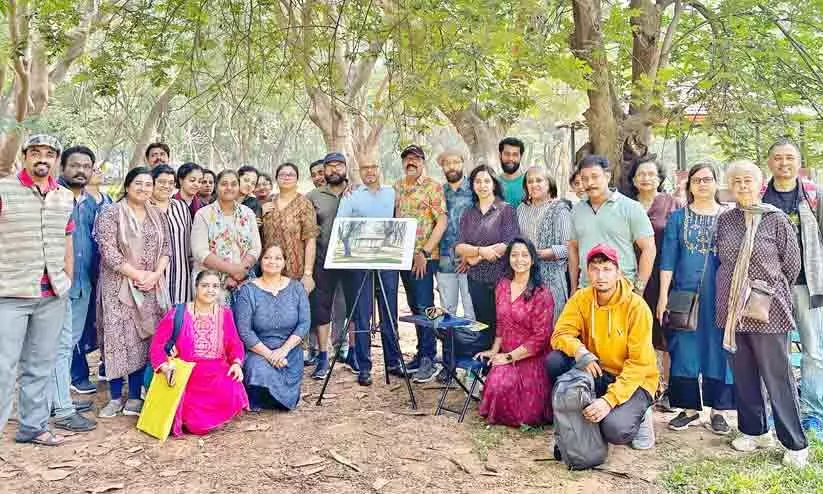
[[377, 281]]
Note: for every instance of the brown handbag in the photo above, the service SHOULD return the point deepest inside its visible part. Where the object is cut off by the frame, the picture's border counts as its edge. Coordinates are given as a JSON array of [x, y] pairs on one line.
[[758, 301]]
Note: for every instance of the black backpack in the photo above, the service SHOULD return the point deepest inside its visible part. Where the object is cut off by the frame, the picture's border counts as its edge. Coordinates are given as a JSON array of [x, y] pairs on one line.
[[580, 442]]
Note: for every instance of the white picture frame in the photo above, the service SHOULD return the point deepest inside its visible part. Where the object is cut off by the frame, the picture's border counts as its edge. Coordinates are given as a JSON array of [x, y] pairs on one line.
[[372, 244]]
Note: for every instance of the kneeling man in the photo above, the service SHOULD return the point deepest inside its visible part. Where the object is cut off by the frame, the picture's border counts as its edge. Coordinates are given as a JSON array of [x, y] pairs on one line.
[[606, 330]]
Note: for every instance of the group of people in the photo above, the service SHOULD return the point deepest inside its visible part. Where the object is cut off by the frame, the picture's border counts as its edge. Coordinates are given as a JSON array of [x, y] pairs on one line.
[[683, 305]]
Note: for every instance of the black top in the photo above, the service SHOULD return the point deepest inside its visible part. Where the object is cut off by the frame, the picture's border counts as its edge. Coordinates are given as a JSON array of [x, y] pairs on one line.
[[789, 203], [252, 203]]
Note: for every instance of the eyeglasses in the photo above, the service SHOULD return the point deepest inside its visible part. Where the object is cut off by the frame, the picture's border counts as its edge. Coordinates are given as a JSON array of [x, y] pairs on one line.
[[702, 180]]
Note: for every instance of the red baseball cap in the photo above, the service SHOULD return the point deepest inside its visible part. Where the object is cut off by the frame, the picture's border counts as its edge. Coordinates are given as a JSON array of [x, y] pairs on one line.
[[605, 250]]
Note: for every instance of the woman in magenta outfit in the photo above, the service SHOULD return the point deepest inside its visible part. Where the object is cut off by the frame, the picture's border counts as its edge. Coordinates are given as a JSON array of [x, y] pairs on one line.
[[208, 337], [517, 388]]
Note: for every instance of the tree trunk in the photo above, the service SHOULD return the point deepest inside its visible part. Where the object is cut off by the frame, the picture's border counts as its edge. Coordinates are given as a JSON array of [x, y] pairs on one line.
[[482, 136], [150, 126]]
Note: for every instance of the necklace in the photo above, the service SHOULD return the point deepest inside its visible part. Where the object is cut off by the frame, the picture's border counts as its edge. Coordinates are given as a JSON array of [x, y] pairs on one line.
[[198, 310]]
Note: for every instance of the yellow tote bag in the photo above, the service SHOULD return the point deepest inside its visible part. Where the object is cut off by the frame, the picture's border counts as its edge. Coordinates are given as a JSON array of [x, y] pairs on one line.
[[162, 401]]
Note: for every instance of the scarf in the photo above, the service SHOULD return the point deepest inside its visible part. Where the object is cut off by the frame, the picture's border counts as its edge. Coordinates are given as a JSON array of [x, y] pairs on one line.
[[738, 292], [131, 245]]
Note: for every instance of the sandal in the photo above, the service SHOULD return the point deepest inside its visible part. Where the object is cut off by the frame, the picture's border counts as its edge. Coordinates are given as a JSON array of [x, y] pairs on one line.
[[45, 438]]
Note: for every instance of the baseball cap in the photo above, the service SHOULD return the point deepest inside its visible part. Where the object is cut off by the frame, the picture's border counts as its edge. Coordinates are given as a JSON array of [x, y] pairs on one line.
[[605, 250], [334, 157], [43, 140], [413, 149]]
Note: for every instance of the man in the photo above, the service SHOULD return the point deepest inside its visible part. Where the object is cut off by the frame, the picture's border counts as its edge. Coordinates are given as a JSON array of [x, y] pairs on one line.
[[802, 201], [88, 204], [452, 283], [76, 164], [606, 330], [326, 200], [511, 152], [157, 153], [35, 277], [372, 201], [609, 217], [318, 174], [422, 198]]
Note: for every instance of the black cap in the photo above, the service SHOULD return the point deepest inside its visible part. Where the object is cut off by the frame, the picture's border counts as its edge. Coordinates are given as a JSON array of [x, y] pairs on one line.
[[413, 149]]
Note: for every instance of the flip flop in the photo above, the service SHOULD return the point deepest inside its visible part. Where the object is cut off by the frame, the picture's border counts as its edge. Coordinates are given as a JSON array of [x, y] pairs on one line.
[[51, 439]]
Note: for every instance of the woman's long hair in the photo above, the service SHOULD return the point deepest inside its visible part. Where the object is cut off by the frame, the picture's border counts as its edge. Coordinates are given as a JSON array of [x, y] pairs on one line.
[[692, 171], [130, 176], [535, 281], [498, 189]]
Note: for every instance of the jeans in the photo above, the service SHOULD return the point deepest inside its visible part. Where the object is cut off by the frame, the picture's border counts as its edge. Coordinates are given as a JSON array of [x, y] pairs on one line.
[[453, 287], [31, 329], [621, 424], [810, 325], [135, 384], [59, 392], [420, 296], [79, 314], [363, 318]]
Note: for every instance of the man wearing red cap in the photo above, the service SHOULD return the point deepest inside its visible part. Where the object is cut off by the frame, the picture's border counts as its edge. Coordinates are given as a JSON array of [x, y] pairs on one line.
[[606, 330]]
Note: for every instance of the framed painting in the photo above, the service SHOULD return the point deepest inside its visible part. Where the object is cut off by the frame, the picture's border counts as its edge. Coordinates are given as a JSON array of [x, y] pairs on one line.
[[372, 243]]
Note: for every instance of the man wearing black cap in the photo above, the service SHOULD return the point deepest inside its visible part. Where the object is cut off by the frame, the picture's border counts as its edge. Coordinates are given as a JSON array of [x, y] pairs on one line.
[[326, 199], [422, 198]]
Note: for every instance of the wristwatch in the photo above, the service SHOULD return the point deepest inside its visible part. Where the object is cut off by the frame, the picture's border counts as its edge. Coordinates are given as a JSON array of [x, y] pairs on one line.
[[426, 253], [509, 357]]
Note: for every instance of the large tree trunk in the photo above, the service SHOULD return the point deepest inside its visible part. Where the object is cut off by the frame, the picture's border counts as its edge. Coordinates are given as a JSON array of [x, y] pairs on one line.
[[482, 136], [150, 126]]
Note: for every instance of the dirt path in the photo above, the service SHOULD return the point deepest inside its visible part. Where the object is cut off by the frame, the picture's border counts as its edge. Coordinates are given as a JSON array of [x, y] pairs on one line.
[[372, 428]]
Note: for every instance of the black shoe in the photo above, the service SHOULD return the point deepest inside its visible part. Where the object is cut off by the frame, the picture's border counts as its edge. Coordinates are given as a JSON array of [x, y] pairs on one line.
[[76, 423], [81, 406], [364, 379], [413, 364], [83, 387], [396, 371], [683, 421], [310, 361], [557, 455], [718, 425]]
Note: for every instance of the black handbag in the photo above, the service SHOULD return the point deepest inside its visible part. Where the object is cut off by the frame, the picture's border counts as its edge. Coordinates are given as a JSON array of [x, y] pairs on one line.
[[684, 306]]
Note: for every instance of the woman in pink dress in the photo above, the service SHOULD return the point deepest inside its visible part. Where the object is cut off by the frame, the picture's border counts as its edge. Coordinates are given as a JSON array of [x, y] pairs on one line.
[[517, 388], [208, 337]]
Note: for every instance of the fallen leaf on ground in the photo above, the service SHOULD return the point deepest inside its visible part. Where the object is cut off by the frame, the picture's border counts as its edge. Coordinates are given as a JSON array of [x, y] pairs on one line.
[[411, 413], [133, 463], [490, 474], [256, 428], [329, 396], [459, 464], [55, 475], [343, 461], [491, 467], [170, 473], [375, 434], [135, 449], [9, 475], [360, 396], [541, 486], [312, 471], [105, 488], [379, 483], [65, 464], [100, 451], [395, 387], [305, 462]]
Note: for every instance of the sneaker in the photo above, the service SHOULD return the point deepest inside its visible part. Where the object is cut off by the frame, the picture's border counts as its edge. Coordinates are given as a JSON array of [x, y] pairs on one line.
[[82, 406], [427, 371], [111, 410], [84, 387], [310, 361], [718, 425], [76, 423], [746, 443], [351, 364], [683, 421], [813, 424], [796, 459], [556, 453], [664, 405], [133, 408], [101, 372], [364, 379], [320, 371], [396, 370], [644, 439], [413, 364]]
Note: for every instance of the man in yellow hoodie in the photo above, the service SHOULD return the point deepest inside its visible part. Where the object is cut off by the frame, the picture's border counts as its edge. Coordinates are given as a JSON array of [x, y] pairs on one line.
[[606, 330]]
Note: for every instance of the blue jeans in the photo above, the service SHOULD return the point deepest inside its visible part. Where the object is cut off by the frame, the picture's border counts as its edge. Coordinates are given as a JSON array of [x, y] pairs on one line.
[[31, 328], [59, 392], [79, 316], [420, 296], [388, 318], [135, 384], [454, 287], [810, 325]]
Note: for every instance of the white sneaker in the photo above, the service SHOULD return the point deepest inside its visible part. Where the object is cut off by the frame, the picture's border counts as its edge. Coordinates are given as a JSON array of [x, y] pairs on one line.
[[645, 433], [796, 459], [746, 443]]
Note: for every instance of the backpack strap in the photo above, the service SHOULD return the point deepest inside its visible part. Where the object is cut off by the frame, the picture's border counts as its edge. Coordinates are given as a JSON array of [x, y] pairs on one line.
[[179, 312]]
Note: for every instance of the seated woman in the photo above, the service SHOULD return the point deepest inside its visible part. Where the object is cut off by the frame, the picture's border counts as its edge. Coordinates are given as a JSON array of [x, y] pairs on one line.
[[273, 318], [517, 389], [208, 337]]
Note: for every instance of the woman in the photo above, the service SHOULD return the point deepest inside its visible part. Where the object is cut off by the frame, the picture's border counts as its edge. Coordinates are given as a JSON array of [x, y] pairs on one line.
[[178, 215], [133, 239], [517, 390], [189, 177], [273, 318], [207, 184], [263, 189], [546, 221], [224, 236], [646, 178], [486, 229], [290, 221], [247, 175], [208, 337], [700, 366], [759, 261]]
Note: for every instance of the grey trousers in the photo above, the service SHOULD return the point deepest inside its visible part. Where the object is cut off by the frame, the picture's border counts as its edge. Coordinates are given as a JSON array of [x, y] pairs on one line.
[[59, 387], [30, 331], [766, 357]]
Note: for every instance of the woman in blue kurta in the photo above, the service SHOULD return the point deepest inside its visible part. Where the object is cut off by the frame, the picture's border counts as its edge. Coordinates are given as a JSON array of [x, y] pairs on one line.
[[689, 254], [272, 314]]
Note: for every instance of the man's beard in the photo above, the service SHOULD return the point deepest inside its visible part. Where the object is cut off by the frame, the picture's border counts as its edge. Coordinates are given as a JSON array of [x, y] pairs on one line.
[[75, 183], [37, 172], [510, 167], [335, 179], [454, 177]]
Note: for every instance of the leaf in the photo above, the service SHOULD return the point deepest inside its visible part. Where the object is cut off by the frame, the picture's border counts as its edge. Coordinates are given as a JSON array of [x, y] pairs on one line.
[[313, 471], [256, 428], [105, 488], [132, 462], [343, 461], [134, 449], [379, 483], [305, 462], [9, 475], [55, 475], [170, 473]]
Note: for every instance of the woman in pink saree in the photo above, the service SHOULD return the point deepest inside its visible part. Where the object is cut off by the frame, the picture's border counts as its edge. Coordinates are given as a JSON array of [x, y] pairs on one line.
[[208, 337]]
